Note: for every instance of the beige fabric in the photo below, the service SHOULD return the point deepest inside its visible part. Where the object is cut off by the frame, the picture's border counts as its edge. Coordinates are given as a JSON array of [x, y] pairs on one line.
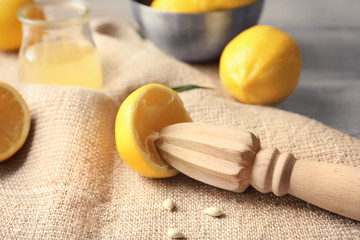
[[68, 181]]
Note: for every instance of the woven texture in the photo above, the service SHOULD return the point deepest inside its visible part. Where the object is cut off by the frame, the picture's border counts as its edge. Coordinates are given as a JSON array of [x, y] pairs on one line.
[[68, 182]]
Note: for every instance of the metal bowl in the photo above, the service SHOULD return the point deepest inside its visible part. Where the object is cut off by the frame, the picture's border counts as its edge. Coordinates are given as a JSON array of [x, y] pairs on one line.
[[193, 37]]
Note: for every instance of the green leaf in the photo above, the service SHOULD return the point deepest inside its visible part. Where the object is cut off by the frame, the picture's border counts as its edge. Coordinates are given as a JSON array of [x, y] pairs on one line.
[[140, 33], [187, 87]]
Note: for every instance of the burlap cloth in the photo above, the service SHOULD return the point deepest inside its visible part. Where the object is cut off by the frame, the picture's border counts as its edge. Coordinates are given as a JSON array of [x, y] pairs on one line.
[[68, 182]]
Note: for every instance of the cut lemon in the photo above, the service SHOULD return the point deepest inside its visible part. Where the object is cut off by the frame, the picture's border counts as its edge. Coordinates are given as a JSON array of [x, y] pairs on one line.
[[14, 121], [138, 122]]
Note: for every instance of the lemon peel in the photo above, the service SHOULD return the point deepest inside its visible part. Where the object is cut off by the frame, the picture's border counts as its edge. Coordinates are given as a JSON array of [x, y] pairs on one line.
[[140, 118]]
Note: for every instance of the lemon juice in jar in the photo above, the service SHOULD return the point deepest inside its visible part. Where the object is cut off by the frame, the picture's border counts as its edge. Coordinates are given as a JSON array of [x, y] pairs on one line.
[[57, 46], [61, 62]]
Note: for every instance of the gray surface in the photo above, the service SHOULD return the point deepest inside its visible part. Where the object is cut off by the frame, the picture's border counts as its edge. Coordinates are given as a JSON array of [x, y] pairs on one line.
[[328, 32]]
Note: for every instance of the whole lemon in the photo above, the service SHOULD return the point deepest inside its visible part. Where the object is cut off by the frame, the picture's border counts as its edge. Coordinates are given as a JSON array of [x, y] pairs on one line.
[[261, 65], [198, 6], [10, 26]]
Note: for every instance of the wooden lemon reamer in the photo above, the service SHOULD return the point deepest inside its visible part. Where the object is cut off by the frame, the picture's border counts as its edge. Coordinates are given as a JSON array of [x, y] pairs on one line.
[[232, 159]]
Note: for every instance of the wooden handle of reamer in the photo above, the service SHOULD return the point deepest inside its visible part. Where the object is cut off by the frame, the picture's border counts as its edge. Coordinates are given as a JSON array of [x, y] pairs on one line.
[[232, 158], [333, 187]]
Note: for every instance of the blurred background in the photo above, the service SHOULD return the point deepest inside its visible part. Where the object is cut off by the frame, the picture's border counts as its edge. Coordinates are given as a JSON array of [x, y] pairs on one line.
[[328, 32]]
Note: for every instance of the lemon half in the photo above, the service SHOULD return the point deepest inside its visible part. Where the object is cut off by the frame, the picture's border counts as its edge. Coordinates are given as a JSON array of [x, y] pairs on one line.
[[14, 121], [138, 122]]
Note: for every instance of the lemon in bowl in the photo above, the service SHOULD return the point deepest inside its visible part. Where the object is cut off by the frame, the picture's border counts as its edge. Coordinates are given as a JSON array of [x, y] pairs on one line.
[[198, 6], [194, 33]]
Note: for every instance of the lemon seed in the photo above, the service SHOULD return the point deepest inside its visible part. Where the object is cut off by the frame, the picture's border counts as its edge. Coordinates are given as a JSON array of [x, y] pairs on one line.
[[213, 211], [168, 204], [175, 233]]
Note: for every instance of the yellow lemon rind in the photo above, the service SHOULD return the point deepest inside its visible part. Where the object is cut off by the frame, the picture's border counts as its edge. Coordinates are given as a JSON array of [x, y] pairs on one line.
[[127, 143], [258, 71], [26, 126]]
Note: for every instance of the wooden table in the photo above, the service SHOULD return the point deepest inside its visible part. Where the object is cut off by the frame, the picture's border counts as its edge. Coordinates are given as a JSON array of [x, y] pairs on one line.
[[328, 32]]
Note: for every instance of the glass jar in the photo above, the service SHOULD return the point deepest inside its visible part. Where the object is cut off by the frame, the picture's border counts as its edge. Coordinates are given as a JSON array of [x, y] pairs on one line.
[[57, 45]]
